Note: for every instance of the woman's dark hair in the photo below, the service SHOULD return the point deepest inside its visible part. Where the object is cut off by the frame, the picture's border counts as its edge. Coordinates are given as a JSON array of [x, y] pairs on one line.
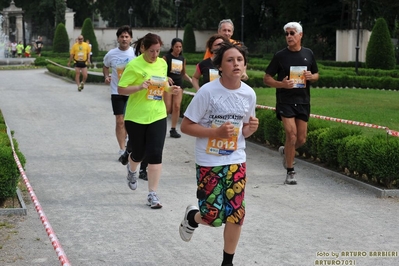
[[174, 41], [217, 61], [146, 42], [122, 29], [212, 39]]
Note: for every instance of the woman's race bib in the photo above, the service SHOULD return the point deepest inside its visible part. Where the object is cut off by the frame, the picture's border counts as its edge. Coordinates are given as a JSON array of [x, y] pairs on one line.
[[157, 87]]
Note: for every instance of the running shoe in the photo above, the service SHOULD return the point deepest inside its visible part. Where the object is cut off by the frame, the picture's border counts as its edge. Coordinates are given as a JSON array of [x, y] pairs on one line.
[[131, 178], [124, 158], [290, 178], [185, 230], [143, 175], [174, 134], [153, 201]]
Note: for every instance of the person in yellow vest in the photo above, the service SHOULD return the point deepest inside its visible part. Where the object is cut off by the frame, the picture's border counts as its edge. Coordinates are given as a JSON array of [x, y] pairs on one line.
[[20, 48], [28, 50], [80, 54]]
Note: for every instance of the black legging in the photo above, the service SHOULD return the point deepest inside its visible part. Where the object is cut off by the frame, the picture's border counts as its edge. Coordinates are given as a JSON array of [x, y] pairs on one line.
[[146, 140]]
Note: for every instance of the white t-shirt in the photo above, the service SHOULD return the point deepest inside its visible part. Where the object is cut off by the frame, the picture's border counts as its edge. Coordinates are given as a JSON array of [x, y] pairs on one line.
[[117, 59], [213, 105]]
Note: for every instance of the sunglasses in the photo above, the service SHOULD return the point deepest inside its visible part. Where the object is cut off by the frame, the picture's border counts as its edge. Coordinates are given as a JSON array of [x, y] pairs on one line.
[[292, 33], [80, 39]]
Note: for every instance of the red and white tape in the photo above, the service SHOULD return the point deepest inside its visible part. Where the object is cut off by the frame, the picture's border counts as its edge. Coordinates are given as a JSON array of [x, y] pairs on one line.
[[49, 230], [339, 120]]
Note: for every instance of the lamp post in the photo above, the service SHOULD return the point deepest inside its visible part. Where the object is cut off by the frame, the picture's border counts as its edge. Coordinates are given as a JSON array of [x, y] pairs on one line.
[[177, 4], [357, 38], [130, 11]]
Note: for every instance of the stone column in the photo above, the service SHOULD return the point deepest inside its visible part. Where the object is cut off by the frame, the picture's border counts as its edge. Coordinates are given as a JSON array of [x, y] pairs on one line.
[[70, 25], [19, 28]]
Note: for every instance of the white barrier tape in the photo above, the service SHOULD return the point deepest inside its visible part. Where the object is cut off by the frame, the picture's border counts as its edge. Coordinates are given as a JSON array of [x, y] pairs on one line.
[[49, 230], [339, 120]]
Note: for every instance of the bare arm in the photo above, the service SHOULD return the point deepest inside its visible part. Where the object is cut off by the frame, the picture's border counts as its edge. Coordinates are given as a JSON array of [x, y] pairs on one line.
[[106, 75], [249, 128], [132, 89], [70, 59], [311, 77], [195, 79], [193, 129], [184, 74], [271, 82]]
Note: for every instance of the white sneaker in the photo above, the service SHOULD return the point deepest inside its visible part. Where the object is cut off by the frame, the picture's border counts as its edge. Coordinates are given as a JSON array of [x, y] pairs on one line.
[[153, 201], [290, 178], [185, 230], [131, 178]]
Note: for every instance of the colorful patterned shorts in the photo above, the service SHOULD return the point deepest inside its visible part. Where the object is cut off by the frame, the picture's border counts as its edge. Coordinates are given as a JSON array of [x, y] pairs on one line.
[[220, 193]]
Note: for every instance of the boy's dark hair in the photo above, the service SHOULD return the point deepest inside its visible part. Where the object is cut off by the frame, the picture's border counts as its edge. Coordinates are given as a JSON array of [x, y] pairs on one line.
[[124, 28], [217, 61]]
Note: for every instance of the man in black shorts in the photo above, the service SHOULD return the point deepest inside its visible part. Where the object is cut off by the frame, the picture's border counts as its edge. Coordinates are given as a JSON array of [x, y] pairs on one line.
[[296, 68], [114, 64], [80, 54]]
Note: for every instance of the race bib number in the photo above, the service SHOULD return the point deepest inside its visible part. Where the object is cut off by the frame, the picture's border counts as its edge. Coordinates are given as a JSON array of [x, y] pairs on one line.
[[213, 74], [221, 146], [177, 66], [80, 56], [157, 87]]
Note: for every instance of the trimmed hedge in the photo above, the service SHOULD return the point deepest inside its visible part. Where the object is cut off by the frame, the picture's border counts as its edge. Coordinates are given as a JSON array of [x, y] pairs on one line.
[[371, 159], [9, 173], [70, 73]]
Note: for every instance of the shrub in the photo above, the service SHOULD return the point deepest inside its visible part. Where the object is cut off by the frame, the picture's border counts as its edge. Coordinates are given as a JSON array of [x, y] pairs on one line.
[[380, 52], [189, 39], [9, 173], [381, 157], [61, 40], [88, 34], [350, 155], [332, 140]]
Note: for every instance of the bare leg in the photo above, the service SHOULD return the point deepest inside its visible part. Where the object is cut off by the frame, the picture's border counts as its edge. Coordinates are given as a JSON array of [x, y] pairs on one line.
[[176, 102], [84, 74], [154, 174], [133, 165], [231, 236], [120, 131], [290, 140], [77, 76]]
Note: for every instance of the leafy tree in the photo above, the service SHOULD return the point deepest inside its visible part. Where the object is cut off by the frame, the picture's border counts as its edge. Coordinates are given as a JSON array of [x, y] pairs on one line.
[[60, 7], [189, 39], [380, 52], [61, 39], [88, 34]]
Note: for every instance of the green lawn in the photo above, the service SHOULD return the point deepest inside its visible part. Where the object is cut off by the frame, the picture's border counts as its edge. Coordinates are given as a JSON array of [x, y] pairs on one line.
[[370, 106]]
